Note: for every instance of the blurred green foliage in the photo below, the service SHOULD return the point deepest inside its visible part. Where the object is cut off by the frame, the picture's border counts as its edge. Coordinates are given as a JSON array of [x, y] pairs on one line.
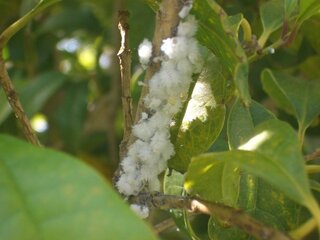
[[64, 66]]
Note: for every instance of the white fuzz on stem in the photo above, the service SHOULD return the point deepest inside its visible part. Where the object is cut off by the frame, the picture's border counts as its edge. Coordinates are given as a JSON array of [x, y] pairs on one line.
[[145, 52], [141, 211], [168, 88]]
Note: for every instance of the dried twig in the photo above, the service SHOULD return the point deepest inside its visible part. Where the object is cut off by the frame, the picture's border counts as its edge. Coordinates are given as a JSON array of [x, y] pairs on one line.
[[15, 103], [231, 216], [124, 56]]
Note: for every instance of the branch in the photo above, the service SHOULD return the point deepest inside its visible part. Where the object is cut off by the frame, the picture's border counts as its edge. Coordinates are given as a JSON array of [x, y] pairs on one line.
[[312, 156], [167, 20], [124, 56], [15, 103], [231, 216]]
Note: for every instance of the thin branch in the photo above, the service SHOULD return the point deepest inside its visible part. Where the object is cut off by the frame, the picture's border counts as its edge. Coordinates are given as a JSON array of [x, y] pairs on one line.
[[231, 216], [312, 156], [164, 225], [124, 56], [167, 20], [15, 103]]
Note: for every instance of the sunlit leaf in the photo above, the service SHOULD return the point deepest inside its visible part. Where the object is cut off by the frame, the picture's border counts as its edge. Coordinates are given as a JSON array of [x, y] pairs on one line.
[[50, 195], [273, 148], [204, 116]]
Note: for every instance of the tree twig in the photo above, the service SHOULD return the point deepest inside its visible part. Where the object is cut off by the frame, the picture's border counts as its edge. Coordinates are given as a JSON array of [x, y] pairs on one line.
[[124, 56], [164, 225], [231, 216], [167, 20], [15, 103], [312, 156]]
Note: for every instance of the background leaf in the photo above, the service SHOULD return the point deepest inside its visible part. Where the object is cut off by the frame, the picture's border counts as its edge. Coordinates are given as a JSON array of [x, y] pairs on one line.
[[294, 95], [308, 8], [35, 95], [272, 15], [49, 195]]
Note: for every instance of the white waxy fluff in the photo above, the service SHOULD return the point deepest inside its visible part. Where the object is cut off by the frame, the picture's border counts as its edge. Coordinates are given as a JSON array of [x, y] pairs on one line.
[[141, 211], [185, 10], [168, 88], [145, 52]]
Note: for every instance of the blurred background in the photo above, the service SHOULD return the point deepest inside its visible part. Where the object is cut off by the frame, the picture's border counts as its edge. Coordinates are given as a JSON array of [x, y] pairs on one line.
[[65, 69]]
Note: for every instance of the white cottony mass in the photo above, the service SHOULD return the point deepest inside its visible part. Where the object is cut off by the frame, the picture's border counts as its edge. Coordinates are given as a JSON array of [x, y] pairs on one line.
[[145, 52], [168, 88]]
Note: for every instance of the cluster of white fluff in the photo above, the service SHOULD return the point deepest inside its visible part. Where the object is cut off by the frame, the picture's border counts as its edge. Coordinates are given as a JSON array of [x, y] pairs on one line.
[[147, 157]]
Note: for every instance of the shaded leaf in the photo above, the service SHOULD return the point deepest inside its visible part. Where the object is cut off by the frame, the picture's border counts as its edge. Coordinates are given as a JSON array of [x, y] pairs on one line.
[[308, 8], [74, 106], [37, 93], [34, 95], [272, 15], [241, 82], [173, 185], [49, 195], [296, 96], [217, 34]]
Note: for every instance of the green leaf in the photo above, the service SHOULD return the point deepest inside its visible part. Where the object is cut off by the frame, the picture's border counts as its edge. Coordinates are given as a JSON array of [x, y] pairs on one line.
[[272, 18], [241, 82], [173, 185], [34, 95], [308, 8], [7, 34], [204, 117], [242, 120], [217, 34], [49, 195], [294, 95], [273, 148], [198, 138], [74, 105], [37, 93], [290, 7]]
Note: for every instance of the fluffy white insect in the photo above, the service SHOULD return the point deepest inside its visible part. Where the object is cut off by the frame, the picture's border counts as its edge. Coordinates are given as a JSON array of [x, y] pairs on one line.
[[185, 10], [141, 211], [188, 27], [168, 88], [145, 52]]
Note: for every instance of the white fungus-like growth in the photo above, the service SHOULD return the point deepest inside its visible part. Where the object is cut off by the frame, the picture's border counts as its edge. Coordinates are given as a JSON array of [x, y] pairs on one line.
[[145, 52], [142, 211], [168, 88]]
